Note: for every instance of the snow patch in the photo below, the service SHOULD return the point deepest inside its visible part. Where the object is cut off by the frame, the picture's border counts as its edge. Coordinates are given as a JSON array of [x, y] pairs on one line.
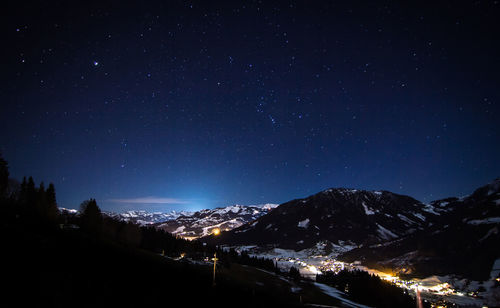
[[419, 216], [331, 291], [405, 219], [180, 229], [303, 224], [430, 209], [267, 206], [489, 220], [367, 210], [385, 233]]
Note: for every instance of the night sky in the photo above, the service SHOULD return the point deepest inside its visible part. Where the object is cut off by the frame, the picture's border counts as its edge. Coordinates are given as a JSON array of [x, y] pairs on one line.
[[186, 105]]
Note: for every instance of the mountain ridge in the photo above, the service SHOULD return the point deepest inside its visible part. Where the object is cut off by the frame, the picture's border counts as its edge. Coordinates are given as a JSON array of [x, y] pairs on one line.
[[203, 222], [381, 228]]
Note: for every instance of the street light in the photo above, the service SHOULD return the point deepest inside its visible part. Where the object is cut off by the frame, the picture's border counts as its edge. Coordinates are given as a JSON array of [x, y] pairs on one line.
[[215, 232]]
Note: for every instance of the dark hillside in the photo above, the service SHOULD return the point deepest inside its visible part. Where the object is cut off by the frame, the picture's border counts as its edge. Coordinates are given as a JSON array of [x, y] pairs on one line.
[[66, 268]]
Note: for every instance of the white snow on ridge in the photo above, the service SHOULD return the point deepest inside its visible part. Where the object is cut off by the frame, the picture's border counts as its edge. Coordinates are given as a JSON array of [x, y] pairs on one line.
[[267, 206], [430, 209], [304, 223], [384, 233], [368, 211], [71, 211], [419, 216], [489, 220], [331, 291], [405, 219], [178, 230]]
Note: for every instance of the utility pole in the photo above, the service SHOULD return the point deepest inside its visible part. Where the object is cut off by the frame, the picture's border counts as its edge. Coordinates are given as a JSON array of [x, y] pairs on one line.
[[215, 264], [419, 298]]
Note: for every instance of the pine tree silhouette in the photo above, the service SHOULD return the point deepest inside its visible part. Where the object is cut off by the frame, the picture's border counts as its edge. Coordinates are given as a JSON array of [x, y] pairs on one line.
[[30, 192], [294, 273], [4, 178], [41, 203], [91, 217], [51, 204]]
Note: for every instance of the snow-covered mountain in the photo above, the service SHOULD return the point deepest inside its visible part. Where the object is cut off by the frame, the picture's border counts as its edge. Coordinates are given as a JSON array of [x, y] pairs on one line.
[[380, 228], [463, 240], [139, 217], [340, 215], [192, 224], [202, 223], [147, 218]]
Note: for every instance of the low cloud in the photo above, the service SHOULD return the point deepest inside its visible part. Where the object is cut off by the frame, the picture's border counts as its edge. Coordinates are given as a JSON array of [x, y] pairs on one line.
[[150, 200]]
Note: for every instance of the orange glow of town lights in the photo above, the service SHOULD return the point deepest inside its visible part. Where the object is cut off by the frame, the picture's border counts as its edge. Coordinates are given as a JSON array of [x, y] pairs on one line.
[[216, 231]]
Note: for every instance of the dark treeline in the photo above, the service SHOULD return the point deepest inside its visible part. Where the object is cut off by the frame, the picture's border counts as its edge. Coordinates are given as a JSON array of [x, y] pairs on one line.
[[26, 201], [368, 289], [59, 259], [91, 221], [34, 205], [232, 256]]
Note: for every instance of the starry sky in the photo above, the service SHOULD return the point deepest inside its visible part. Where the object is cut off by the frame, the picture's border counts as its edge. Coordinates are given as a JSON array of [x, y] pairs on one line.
[[175, 105]]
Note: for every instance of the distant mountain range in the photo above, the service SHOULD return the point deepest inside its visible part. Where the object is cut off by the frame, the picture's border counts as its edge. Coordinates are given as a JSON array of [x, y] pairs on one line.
[[380, 228], [194, 224], [147, 218], [138, 217], [202, 223]]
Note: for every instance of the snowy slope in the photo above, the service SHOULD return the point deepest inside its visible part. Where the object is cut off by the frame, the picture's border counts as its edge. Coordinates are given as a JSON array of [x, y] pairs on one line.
[[139, 217], [202, 223]]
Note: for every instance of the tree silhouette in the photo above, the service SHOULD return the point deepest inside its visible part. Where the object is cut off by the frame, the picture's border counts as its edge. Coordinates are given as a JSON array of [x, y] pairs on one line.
[[41, 203], [51, 195], [294, 273], [4, 177], [368, 289], [51, 210], [30, 192], [91, 217]]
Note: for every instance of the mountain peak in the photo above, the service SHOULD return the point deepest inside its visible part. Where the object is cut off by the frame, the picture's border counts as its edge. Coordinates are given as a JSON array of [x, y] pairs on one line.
[[488, 190], [336, 215], [348, 191]]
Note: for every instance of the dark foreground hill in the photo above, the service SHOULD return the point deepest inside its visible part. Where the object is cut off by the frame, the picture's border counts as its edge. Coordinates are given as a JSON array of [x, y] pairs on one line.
[[47, 267]]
